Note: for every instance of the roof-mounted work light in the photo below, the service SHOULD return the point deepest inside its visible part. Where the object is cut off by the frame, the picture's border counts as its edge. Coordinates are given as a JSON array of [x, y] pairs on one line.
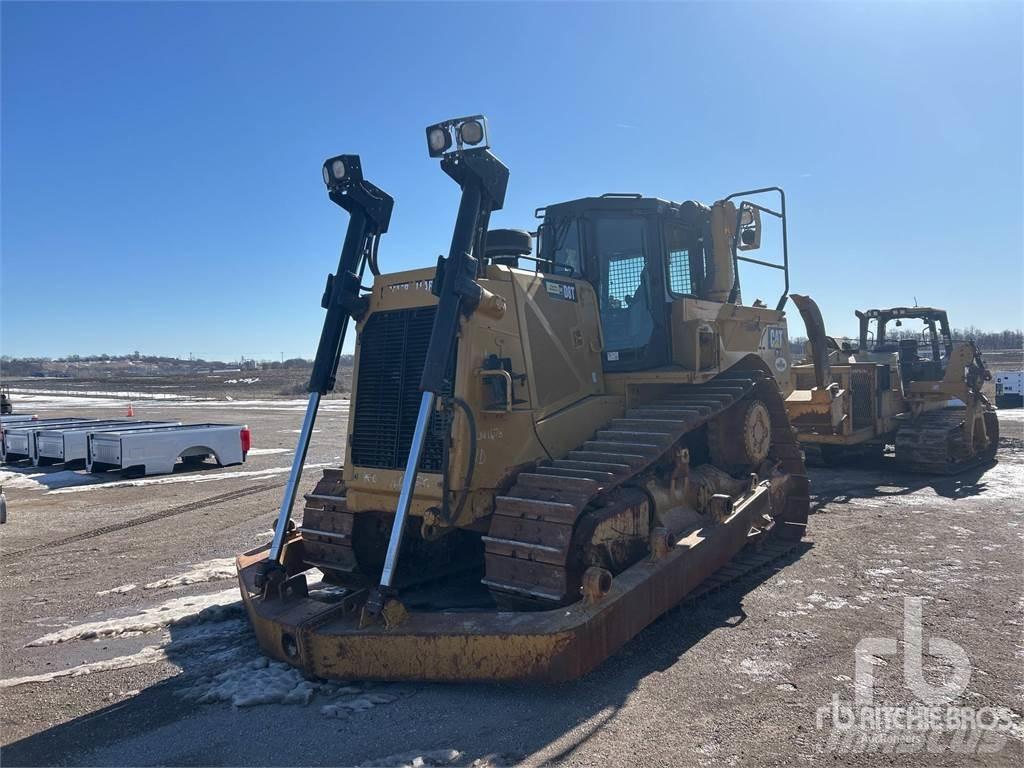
[[463, 132], [342, 170]]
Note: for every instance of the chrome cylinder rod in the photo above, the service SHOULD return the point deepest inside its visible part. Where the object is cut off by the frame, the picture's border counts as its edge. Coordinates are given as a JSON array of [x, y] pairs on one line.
[[408, 486], [281, 527]]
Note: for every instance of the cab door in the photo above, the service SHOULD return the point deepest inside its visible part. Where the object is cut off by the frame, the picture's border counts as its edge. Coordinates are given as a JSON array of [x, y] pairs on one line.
[[624, 265]]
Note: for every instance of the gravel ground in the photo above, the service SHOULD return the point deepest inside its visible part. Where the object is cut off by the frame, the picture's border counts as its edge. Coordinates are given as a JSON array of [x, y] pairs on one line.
[[167, 673]]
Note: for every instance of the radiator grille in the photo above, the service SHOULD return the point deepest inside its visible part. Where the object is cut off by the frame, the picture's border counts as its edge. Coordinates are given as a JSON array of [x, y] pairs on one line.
[[392, 350], [863, 393]]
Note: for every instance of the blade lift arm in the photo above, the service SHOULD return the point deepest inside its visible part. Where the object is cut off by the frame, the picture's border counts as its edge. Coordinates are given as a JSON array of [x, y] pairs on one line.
[[369, 211], [483, 180]]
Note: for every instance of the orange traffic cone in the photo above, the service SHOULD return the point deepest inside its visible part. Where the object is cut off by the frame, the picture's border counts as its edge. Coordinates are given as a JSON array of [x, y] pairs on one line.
[[131, 411]]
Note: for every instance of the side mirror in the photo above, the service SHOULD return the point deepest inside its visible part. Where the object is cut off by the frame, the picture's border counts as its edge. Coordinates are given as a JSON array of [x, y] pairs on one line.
[[750, 228]]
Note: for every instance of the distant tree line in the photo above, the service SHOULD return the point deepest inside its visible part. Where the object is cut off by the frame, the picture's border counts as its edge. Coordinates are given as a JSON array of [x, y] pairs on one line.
[[991, 339], [1006, 339], [300, 363], [983, 339], [27, 366], [135, 357]]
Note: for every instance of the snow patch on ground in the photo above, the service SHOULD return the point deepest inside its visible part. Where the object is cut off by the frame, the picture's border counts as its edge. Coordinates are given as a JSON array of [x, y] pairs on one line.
[[258, 681], [214, 644], [211, 570], [185, 478], [268, 451], [343, 709], [43, 399], [420, 760], [192, 609], [762, 667], [151, 654], [116, 590], [33, 479], [251, 682]]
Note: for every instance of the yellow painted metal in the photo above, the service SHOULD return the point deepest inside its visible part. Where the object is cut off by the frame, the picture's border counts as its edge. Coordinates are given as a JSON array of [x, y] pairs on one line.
[[825, 415], [562, 396], [554, 645]]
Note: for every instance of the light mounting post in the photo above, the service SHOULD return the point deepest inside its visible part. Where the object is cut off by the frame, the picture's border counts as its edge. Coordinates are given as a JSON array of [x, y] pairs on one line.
[[369, 216], [483, 179]]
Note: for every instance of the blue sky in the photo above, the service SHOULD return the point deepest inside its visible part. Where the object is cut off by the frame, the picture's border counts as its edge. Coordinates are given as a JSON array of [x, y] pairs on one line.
[[161, 182]]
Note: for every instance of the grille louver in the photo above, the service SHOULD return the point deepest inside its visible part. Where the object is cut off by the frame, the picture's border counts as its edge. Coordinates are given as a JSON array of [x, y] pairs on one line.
[[392, 350]]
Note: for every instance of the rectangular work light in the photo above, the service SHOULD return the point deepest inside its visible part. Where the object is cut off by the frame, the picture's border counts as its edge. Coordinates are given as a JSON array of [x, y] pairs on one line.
[[461, 131], [342, 170]]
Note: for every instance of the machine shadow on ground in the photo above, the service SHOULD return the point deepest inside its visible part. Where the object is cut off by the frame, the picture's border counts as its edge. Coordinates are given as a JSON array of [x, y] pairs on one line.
[[875, 480], [593, 700]]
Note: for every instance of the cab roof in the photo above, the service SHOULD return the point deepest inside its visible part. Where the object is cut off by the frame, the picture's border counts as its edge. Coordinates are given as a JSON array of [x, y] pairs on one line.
[[610, 201], [904, 312]]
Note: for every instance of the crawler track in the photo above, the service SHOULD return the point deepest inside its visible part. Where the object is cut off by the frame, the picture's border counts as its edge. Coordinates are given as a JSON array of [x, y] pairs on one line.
[[750, 561], [936, 443], [327, 525], [530, 546]]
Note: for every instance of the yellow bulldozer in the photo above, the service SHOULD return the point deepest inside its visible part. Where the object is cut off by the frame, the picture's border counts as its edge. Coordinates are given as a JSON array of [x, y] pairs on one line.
[[548, 446], [917, 397]]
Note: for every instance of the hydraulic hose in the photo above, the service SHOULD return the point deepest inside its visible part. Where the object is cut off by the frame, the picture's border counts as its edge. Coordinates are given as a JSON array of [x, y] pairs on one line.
[[470, 465], [374, 268]]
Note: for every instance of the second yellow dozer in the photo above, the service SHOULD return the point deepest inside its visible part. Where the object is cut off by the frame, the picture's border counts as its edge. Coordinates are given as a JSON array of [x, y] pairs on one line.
[[918, 397], [541, 458]]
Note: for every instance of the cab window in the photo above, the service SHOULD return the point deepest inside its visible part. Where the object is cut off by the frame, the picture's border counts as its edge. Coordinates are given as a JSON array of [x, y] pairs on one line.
[[565, 252], [684, 262], [624, 290]]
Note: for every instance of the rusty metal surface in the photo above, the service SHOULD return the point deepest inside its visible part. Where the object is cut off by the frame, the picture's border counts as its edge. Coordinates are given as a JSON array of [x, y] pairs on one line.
[[549, 527], [326, 641]]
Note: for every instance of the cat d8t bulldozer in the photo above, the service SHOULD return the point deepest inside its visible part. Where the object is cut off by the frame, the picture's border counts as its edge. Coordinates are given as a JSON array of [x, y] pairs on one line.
[[918, 397], [547, 447]]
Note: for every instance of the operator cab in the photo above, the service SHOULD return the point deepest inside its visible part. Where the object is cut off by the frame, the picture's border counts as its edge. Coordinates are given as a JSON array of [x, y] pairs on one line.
[[640, 254], [922, 356]]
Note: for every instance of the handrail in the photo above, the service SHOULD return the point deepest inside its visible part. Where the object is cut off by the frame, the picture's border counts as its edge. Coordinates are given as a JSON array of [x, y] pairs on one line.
[[501, 372], [785, 241]]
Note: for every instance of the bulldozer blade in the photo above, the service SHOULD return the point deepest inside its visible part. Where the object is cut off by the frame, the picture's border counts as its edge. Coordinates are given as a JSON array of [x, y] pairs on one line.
[[326, 641]]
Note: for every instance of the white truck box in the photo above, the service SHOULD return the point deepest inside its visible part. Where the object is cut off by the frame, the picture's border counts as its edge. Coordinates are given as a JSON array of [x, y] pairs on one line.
[[31, 431], [12, 418], [24, 421], [155, 451], [67, 445], [1009, 389], [18, 439]]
